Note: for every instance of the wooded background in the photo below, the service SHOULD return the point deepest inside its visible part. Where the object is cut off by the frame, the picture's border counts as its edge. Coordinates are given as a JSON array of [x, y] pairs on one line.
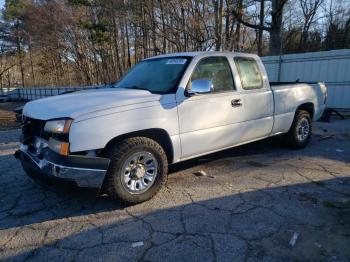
[[88, 42]]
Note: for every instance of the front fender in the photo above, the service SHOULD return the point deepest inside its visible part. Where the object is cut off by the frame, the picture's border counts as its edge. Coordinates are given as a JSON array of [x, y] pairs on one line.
[[94, 133]]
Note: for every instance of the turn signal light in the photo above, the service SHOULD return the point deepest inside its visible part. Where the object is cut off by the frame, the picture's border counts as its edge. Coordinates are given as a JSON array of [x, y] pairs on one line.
[[59, 147]]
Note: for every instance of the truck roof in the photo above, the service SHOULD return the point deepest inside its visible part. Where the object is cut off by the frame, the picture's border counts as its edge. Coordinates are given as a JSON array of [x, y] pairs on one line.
[[199, 53]]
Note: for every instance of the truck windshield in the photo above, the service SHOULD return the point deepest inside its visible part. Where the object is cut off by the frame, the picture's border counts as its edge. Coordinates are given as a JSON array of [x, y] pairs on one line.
[[158, 75]]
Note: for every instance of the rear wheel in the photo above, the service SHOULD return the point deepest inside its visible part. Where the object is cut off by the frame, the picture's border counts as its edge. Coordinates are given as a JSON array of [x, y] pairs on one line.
[[137, 171], [300, 133]]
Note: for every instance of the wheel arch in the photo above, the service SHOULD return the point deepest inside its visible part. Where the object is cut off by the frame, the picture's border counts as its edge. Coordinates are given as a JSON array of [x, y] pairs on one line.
[[308, 107], [159, 135]]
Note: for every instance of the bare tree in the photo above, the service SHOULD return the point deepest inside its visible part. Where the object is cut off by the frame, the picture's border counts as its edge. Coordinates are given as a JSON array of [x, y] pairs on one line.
[[78, 42], [309, 9], [261, 26], [218, 13], [275, 29]]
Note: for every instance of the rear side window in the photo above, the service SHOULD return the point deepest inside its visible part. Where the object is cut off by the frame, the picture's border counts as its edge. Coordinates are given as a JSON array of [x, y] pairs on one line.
[[216, 69], [249, 73]]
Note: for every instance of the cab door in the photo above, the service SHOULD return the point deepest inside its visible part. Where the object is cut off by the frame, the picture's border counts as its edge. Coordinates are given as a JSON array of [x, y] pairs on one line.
[[257, 98], [210, 122]]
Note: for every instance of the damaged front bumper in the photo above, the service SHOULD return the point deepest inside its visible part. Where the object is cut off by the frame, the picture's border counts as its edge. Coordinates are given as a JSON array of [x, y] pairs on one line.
[[83, 171]]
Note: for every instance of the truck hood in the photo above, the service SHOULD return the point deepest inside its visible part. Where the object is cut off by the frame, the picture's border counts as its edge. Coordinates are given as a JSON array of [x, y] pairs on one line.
[[84, 102]]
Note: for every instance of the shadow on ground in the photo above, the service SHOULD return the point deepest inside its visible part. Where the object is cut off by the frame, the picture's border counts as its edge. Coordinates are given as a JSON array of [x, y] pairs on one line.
[[255, 225]]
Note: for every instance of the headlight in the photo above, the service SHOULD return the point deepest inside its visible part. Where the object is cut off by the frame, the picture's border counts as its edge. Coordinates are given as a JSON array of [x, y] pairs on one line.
[[61, 126]]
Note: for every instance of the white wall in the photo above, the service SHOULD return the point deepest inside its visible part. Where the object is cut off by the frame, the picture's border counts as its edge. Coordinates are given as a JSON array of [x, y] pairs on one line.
[[331, 67]]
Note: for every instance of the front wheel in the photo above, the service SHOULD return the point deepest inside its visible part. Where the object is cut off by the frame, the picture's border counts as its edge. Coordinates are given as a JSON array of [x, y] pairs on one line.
[[137, 171], [300, 133]]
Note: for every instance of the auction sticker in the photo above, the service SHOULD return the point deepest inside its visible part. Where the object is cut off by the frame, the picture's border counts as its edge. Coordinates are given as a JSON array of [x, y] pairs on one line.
[[176, 61]]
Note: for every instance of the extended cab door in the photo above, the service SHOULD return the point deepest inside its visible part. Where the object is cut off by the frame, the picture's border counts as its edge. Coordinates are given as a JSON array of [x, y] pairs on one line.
[[257, 97], [210, 122]]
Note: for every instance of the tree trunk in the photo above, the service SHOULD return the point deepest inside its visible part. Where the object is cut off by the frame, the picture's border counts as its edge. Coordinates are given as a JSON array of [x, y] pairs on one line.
[[31, 63], [116, 48], [237, 35], [20, 58], [162, 17], [276, 27], [183, 24], [261, 30], [128, 45], [8, 79], [229, 26], [218, 8]]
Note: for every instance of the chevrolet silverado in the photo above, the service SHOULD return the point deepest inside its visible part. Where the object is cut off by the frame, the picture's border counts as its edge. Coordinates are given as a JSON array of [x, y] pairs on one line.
[[165, 110]]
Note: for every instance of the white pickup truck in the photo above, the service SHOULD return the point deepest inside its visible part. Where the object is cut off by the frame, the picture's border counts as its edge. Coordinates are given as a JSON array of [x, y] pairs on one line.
[[165, 110]]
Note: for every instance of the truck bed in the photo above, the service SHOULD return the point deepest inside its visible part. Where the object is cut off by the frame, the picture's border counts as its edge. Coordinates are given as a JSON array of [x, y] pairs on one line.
[[289, 94]]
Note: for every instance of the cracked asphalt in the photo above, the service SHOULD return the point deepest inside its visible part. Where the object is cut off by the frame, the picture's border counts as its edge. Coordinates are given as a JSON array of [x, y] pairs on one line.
[[247, 207]]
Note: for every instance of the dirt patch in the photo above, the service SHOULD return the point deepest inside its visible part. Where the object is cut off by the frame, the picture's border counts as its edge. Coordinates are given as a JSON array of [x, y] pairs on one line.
[[7, 116]]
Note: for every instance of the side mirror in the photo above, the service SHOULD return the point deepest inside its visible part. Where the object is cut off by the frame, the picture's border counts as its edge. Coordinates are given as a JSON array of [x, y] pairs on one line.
[[200, 86]]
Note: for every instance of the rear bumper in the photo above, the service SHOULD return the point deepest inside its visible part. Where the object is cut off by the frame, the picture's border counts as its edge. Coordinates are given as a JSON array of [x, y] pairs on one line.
[[82, 171], [319, 112]]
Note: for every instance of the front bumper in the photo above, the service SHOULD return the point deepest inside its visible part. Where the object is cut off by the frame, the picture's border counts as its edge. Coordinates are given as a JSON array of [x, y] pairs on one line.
[[82, 171]]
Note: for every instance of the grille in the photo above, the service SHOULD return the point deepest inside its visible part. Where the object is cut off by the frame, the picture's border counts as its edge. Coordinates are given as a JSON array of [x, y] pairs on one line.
[[34, 127]]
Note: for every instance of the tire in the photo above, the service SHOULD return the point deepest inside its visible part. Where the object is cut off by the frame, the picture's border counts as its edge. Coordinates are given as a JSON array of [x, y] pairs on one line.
[[130, 169], [300, 132]]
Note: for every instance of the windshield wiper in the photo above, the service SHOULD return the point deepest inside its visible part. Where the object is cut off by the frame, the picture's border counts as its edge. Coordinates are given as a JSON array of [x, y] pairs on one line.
[[135, 87]]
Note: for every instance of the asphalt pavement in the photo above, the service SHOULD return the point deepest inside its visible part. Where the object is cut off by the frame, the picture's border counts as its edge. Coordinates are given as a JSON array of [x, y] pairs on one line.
[[259, 202]]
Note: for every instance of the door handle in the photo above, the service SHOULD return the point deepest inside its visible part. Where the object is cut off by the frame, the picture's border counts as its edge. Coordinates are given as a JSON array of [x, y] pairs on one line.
[[236, 103]]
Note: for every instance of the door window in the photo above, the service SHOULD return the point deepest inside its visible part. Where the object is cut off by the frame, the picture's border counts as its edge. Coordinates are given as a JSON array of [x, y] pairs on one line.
[[217, 70], [249, 73]]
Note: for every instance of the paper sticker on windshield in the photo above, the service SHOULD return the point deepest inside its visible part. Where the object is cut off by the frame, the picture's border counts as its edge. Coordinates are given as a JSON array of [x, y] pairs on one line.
[[176, 61]]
